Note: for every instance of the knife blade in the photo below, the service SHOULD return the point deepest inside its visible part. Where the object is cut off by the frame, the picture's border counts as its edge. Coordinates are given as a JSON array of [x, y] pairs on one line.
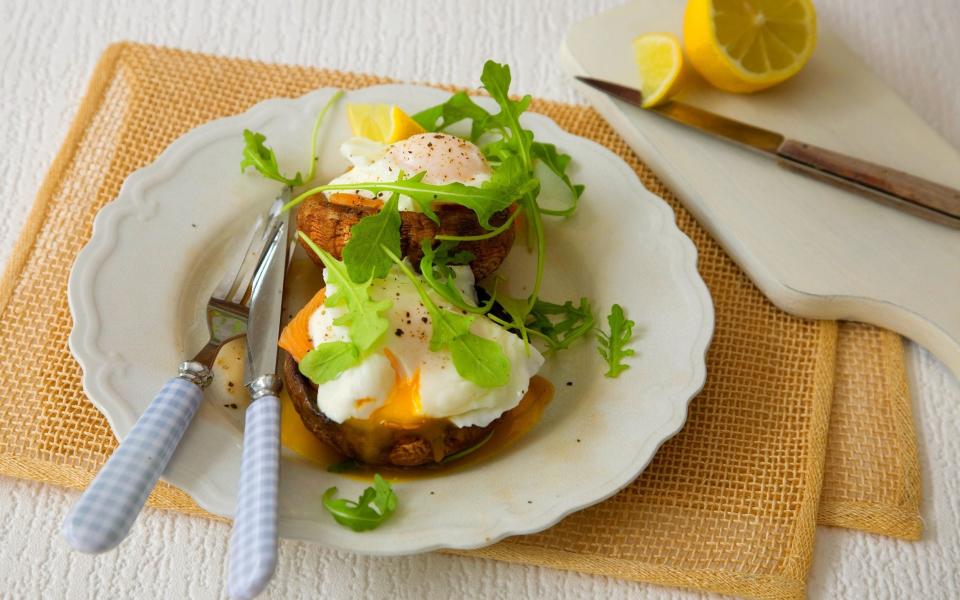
[[266, 298], [920, 197], [253, 542]]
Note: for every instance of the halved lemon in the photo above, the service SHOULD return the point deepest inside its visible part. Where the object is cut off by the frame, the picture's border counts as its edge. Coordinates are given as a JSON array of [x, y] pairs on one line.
[[381, 122], [662, 68], [748, 45]]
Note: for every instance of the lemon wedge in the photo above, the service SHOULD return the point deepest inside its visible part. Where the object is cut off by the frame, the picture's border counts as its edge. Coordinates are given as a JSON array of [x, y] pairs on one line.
[[662, 68], [747, 45], [381, 122]]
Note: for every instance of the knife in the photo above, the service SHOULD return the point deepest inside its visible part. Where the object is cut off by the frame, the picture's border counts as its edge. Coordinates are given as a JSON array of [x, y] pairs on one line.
[[910, 193], [103, 515], [253, 542]]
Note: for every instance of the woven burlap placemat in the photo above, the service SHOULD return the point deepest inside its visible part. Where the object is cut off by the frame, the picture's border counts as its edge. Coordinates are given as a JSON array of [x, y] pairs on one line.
[[728, 505]]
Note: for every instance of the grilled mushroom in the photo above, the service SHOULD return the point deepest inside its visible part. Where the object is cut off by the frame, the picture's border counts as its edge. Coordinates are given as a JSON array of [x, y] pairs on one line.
[[328, 221]]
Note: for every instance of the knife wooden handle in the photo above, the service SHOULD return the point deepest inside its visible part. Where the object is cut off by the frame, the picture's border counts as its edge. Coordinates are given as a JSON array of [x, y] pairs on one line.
[[920, 196]]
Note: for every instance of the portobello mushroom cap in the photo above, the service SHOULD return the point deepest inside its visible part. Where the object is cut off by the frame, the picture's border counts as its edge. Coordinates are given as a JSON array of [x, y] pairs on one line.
[[396, 447], [328, 224]]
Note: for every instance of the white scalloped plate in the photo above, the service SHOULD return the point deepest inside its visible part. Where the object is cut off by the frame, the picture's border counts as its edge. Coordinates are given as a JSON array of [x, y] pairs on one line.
[[138, 288]]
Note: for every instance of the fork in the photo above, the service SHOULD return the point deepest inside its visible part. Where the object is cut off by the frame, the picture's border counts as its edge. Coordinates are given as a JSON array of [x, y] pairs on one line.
[[105, 512]]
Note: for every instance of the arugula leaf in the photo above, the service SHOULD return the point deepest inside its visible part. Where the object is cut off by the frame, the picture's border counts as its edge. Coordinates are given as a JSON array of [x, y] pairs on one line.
[[560, 324], [515, 181], [558, 163], [479, 359], [328, 360], [516, 145], [362, 253], [436, 271], [359, 515], [476, 359], [457, 108], [363, 314], [496, 80], [611, 345], [505, 186], [429, 118], [516, 309], [447, 326], [262, 158], [313, 136], [441, 257], [512, 152]]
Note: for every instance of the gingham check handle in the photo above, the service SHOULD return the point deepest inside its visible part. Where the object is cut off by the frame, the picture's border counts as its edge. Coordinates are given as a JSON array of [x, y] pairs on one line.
[[103, 515], [253, 543]]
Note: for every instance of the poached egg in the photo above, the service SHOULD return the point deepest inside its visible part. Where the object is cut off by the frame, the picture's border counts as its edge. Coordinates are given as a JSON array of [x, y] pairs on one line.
[[445, 159], [403, 382]]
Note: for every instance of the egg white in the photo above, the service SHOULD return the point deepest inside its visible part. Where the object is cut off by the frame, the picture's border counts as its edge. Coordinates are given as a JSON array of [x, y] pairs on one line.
[[444, 158], [444, 394]]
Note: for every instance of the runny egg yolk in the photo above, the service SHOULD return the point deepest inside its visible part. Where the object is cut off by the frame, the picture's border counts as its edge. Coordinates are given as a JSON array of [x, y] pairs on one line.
[[403, 404]]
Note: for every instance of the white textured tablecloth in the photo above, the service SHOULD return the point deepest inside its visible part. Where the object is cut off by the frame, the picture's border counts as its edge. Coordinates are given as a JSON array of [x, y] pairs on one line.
[[49, 50]]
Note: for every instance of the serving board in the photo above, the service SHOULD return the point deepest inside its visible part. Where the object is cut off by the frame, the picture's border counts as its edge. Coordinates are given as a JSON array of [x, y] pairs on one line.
[[814, 249]]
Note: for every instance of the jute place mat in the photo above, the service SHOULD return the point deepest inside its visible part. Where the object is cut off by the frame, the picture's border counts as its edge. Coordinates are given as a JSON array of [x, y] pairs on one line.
[[729, 505]]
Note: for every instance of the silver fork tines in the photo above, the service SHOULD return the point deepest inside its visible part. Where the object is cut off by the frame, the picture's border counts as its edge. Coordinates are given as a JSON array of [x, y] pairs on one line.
[[235, 285], [227, 306]]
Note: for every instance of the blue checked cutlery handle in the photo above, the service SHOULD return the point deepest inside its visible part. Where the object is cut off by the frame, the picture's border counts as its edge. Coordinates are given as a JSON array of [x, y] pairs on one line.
[[105, 512], [253, 543]]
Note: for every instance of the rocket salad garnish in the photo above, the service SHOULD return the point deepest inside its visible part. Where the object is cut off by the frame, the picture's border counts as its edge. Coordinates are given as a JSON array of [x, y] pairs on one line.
[[374, 506], [475, 358], [513, 154], [373, 251]]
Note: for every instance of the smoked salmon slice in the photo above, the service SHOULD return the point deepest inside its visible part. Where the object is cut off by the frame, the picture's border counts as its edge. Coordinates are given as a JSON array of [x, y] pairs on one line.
[[295, 337]]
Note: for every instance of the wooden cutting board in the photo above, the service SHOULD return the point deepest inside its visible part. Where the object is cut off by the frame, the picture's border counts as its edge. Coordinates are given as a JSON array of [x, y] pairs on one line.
[[815, 250]]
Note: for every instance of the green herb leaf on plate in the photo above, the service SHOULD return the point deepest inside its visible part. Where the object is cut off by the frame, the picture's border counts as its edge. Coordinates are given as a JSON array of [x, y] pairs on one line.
[[479, 359], [328, 360], [457, 108], [442, 257], [314, 134], [436, 271], [496, 80], [557, 162], [512, 153], [262, 158], [612, 346], [505, 186], [362, 253], [363, 315], [360, 515], [560, 324], [476, 359]]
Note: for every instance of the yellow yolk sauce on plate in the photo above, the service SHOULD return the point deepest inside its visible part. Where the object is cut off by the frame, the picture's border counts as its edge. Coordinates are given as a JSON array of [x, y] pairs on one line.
[[506, 431]]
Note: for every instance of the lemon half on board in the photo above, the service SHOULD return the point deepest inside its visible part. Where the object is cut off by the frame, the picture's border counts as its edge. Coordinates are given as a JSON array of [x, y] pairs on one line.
[[748, 45], [381, 122], [663, 72]]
